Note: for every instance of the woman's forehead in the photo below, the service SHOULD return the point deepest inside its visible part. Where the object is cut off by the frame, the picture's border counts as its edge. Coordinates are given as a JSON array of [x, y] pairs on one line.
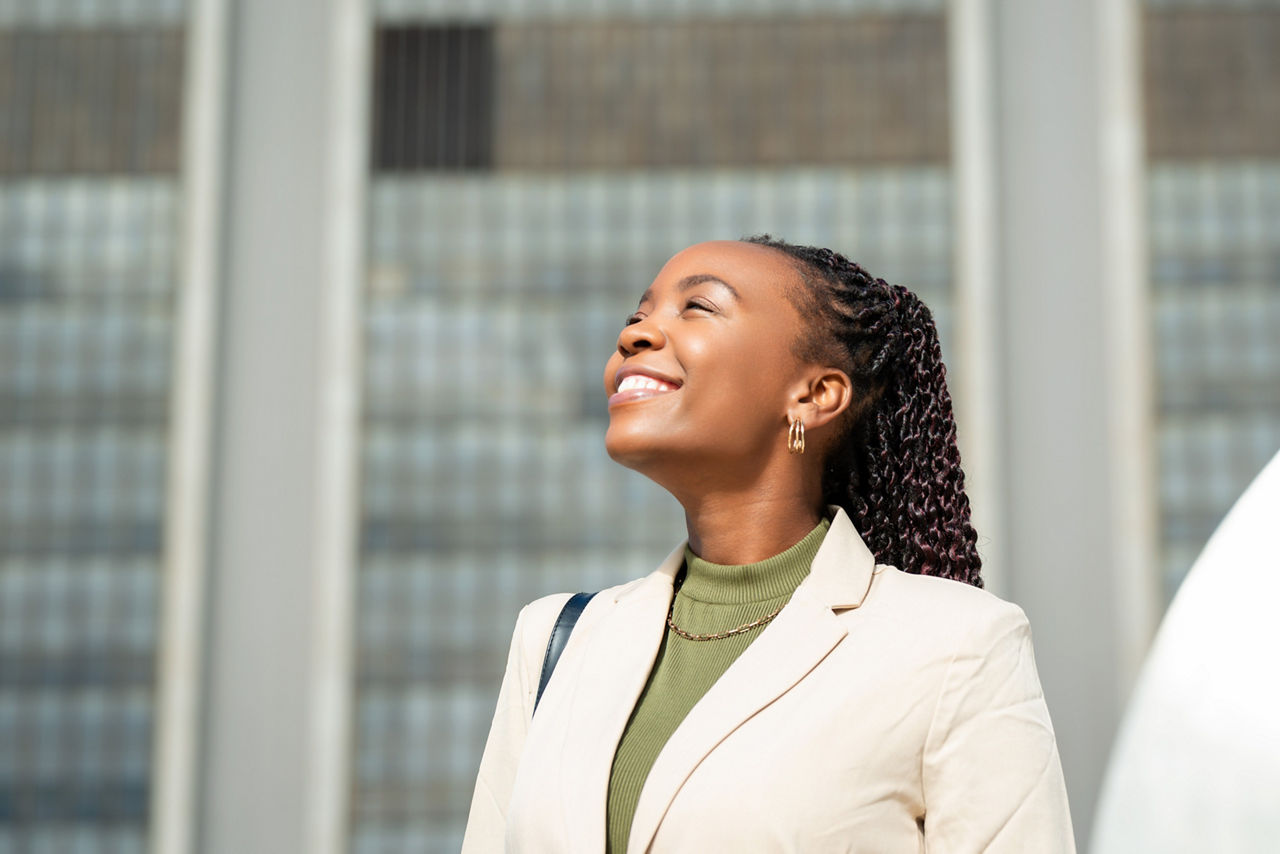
[[748, 267]]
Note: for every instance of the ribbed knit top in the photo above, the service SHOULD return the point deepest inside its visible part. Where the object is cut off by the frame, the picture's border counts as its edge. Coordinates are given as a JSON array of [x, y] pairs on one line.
[[713, 598]]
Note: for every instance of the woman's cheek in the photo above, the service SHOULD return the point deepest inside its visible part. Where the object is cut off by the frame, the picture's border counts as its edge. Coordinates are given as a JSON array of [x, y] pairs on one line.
[[611, 366]]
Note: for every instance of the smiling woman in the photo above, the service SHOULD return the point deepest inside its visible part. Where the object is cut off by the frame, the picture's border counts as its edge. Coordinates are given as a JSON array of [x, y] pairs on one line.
[[815, 668], [716, 331]]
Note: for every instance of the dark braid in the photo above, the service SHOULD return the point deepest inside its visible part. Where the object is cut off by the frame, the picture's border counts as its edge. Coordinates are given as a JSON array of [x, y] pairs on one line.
[[895, 468]]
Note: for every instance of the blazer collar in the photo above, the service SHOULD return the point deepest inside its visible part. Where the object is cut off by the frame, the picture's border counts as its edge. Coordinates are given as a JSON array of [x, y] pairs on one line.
[[843, 568], [616, 666], [784, 653], [840, 576]]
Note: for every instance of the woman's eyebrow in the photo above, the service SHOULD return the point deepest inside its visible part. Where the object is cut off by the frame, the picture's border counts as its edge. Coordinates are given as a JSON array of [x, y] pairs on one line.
[[693, 281], [701, 278]]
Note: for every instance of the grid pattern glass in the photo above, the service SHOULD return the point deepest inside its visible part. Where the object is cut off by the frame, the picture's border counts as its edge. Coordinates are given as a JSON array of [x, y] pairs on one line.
[[493, 298], [87, 274], [91, 13], [1213, 203], [90, 100], [444, 10], [1215, 267], [1218, 5]]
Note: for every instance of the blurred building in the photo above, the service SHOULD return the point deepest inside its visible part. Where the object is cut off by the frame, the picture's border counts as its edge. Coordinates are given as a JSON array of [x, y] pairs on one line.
[[304, 308], [91, 199]]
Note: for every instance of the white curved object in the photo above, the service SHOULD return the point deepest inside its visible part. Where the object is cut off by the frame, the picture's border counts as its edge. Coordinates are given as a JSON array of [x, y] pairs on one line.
[[1196, 766]]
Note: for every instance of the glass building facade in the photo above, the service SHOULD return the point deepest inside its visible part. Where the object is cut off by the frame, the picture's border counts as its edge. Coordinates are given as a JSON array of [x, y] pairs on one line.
[[1213, 208], [531, 165], [90, 196]]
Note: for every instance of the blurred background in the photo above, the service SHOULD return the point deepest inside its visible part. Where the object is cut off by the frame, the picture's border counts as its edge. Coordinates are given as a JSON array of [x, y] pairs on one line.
[[304, 306]]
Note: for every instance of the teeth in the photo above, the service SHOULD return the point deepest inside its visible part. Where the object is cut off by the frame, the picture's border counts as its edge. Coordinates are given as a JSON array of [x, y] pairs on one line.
[[636, 381]]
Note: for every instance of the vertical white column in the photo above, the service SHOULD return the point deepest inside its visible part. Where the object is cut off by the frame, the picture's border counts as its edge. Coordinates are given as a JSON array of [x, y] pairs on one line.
[[278, 542], [178, 684], [338, 493], [1071, 353], [973, 167], [1132, 389]]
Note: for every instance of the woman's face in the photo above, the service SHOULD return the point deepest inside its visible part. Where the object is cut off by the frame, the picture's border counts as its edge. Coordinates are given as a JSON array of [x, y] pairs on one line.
[[704, 369]]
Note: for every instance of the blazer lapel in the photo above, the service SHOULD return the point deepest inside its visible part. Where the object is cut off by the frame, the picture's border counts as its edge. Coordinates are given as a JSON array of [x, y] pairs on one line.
[[595, 711], [787, 649]]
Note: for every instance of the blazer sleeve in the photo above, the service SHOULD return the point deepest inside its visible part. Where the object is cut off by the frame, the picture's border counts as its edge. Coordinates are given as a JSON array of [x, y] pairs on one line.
[[487, 821], [991, 773]]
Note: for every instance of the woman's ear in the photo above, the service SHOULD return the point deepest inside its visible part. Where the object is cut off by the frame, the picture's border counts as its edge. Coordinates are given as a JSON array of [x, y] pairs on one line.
[[829, 393]]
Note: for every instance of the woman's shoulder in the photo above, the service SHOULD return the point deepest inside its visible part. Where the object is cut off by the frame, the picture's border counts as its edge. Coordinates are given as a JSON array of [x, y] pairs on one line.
[[536, 618], [546, 608], [943, 606]]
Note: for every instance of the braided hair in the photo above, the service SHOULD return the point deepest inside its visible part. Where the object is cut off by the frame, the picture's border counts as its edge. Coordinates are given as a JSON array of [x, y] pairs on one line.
[[895, 466]]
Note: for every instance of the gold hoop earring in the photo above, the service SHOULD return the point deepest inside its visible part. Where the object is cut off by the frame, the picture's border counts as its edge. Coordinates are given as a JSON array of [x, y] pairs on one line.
[[795, 435]]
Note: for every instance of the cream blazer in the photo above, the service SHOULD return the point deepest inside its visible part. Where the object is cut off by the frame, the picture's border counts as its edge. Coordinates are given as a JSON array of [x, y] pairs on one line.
[[879, 712]]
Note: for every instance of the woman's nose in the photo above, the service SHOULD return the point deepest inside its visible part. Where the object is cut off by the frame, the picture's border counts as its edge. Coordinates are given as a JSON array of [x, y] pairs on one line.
[[641, 335]]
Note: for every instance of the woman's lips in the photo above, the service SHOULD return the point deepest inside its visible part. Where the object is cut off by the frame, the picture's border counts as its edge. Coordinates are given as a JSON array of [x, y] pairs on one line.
[[637, 386], [637, 394]]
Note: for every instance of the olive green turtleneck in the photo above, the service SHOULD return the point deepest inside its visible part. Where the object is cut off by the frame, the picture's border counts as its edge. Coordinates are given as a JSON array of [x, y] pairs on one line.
[[713, 598]]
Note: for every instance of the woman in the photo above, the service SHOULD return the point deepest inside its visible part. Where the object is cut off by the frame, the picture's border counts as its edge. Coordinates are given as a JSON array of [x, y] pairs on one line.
[[816, 668]]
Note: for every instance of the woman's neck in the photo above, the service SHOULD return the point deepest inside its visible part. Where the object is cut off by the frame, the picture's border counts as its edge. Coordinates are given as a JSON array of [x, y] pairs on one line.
[[743, 529]]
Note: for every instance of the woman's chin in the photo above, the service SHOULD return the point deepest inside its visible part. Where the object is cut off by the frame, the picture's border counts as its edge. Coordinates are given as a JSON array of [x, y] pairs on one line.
[[634, 449], [623, 450]]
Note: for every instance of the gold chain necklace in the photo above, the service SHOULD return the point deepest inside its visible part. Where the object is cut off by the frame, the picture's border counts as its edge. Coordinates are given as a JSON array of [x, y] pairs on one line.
[[745, 627]]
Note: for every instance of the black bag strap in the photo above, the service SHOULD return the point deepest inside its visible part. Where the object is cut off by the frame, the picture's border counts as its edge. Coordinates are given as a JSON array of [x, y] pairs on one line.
[[560, 632]]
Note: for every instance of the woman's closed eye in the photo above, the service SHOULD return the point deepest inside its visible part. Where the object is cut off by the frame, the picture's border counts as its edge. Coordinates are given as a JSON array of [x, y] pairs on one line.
[[693, 304]]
